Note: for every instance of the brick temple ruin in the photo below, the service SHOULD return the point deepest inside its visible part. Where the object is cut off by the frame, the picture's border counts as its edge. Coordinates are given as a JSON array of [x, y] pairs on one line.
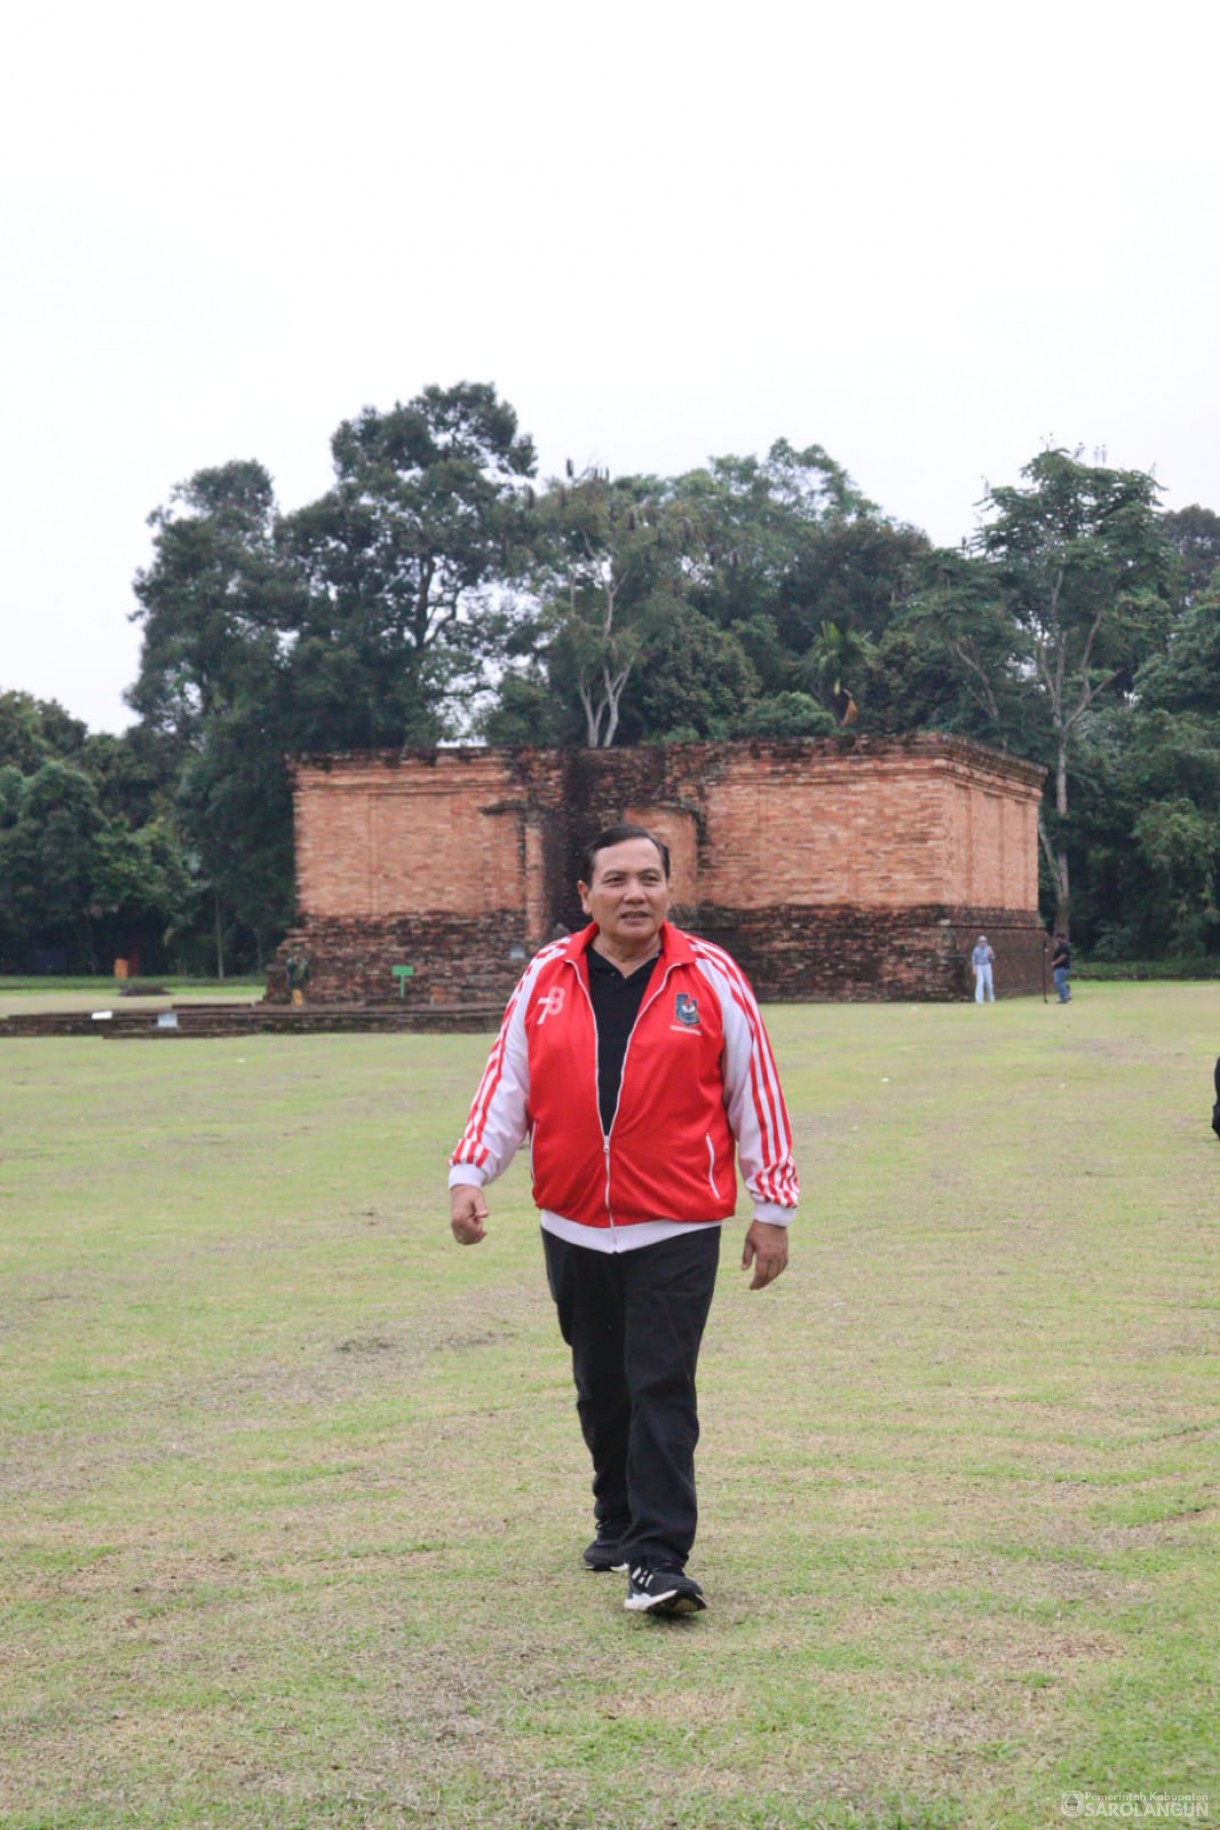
[[844, 867]]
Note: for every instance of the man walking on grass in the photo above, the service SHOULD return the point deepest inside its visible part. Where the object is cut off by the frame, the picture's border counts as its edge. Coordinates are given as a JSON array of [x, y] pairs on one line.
[[634, 1057]]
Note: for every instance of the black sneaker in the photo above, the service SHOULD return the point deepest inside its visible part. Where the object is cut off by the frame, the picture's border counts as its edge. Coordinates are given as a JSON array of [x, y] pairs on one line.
[[604, 1552], [662, 1591]]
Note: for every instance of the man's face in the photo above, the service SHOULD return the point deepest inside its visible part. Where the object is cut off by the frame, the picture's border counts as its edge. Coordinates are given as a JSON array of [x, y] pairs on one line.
[[629, 895]]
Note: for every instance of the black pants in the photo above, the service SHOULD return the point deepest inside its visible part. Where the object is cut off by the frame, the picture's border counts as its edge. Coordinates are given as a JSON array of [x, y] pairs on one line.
[[634, 1321]]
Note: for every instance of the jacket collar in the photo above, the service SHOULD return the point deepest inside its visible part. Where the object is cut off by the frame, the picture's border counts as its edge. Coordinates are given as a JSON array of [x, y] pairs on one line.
[[675, 947]]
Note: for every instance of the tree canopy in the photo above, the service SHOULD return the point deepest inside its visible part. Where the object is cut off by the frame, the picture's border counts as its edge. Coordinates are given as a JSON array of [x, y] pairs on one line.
[[437, 591]]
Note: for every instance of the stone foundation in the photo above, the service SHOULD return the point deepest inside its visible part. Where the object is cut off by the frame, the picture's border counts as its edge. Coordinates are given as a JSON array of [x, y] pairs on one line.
[[791, 955], [861, 955]]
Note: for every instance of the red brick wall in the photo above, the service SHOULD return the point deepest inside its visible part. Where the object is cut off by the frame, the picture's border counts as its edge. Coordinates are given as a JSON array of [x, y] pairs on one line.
[[834, 866], [374, 839]]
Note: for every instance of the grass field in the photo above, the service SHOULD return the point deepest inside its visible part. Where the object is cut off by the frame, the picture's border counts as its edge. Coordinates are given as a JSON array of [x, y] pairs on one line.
[[25, 996], [294, 1493]]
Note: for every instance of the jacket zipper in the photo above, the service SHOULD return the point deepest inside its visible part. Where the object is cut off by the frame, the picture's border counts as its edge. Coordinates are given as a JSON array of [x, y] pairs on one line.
[[645, 1006], [580, 980]]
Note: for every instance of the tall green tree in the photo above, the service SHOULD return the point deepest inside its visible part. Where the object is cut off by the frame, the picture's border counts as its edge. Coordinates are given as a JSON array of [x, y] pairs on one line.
[[765, 578], [215, 603], [609, 578], [1081, 558], [358, 622], [807, 572], [429, 512], [1146, 832], [1165, 789], [850, 578], [219, 607], [73, 880], [90, 866], [953, 660], [33, 731], [697, 684], [1194, 534], [50, 829], [756, 523]]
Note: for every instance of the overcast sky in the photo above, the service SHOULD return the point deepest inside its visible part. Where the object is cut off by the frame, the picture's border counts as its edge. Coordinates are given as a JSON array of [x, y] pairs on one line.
[[931, 238]]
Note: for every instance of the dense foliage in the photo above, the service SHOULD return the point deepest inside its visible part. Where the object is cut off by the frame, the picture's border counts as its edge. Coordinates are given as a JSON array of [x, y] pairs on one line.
[[437, 591]]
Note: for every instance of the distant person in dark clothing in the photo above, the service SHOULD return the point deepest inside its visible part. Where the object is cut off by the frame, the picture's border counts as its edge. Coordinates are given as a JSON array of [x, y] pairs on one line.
[[1061, 967], [296, 976]]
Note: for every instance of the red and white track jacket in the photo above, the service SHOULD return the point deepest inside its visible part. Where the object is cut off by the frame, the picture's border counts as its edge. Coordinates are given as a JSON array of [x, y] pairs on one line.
[[698, 1073]]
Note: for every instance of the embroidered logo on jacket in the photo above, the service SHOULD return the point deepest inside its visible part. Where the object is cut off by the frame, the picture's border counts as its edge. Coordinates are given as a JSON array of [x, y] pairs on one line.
[[686, 1009], [551, 1003]]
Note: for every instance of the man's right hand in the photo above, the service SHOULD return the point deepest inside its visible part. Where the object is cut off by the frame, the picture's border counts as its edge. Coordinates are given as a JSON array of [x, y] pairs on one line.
[[467, 1212]]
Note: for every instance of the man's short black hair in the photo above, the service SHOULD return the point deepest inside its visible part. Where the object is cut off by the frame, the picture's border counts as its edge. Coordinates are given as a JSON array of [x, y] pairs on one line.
[[615, 835]]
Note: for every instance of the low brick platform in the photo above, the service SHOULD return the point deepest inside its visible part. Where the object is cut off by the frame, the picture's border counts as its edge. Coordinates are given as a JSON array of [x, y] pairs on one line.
[[857, 955], [792, 953], [201, 1021]]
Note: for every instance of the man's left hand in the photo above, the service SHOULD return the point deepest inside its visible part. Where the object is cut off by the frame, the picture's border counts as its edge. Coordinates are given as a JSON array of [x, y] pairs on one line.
[[766, 1248]]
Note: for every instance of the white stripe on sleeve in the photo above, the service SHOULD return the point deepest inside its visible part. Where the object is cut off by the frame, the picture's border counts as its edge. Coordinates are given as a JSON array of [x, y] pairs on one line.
[[753, 1097], [499, 1113]]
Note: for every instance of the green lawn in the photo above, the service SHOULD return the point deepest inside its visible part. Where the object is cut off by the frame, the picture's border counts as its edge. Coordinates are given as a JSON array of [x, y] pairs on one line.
[[294, 1493], [26, 997]]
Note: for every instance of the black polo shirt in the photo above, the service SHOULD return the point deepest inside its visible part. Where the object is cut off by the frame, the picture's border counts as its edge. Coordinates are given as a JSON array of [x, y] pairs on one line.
[[616, 999]]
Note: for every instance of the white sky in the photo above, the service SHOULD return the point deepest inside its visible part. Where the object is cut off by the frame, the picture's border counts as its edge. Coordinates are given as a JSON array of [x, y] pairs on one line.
[[928, 237]]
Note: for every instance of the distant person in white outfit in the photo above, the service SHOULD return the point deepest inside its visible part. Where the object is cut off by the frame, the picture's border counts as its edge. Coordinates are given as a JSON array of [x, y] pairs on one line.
[[982, 959]]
